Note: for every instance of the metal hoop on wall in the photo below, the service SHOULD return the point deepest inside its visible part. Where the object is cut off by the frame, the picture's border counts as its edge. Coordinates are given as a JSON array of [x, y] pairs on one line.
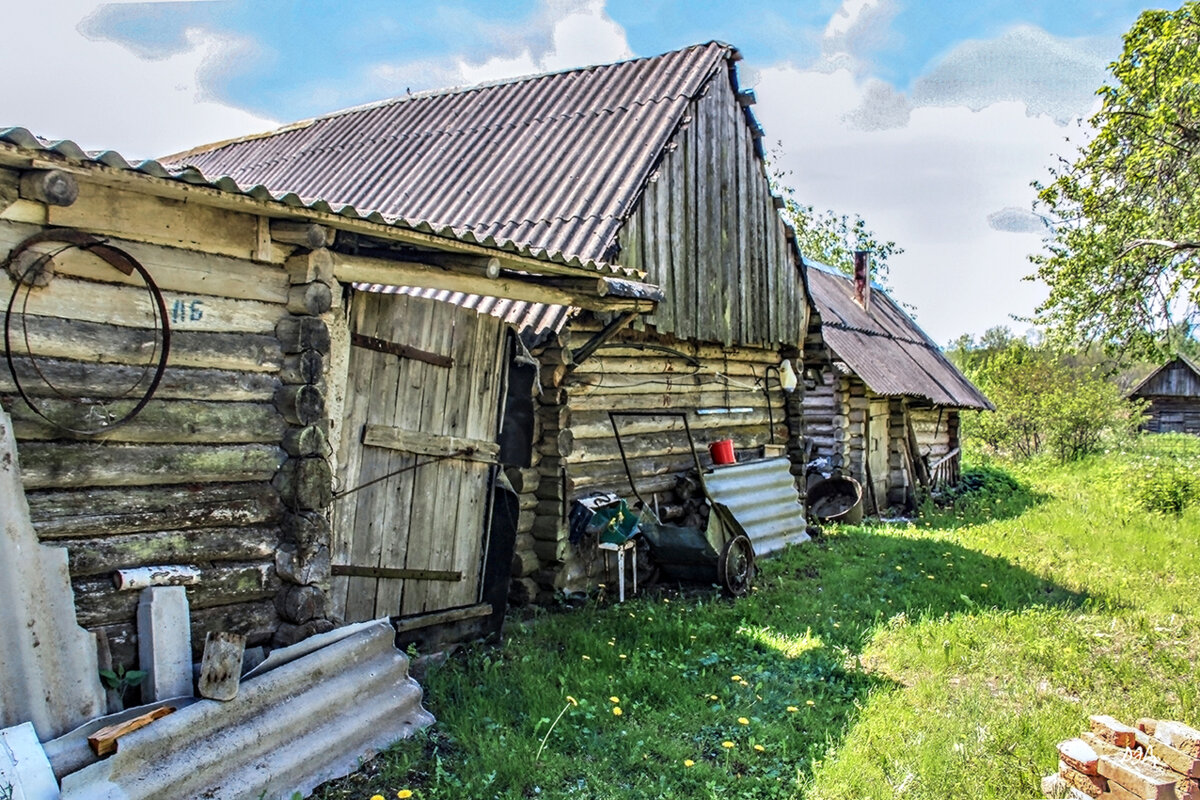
[[119, 260]]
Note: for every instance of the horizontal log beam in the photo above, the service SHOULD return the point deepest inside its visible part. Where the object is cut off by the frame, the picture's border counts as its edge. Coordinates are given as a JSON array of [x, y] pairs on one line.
[[161, 421], [46, 465], [58, 514], [393, 573], [103, 554]]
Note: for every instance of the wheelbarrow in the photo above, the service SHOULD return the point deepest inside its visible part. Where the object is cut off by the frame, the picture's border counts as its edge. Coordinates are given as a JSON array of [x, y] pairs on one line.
[[722, 550]]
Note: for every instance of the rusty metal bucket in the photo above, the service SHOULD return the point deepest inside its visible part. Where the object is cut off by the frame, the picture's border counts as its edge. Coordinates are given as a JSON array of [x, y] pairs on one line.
[[836, 500]]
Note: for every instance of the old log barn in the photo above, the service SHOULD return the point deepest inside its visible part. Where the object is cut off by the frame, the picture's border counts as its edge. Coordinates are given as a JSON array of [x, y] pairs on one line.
[[184, 359], [1172, 395], [886, 412], [654, 163]]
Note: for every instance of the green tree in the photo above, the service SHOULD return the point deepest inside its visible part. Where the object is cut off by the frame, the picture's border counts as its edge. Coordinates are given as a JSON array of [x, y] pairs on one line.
[[1123, 260], [1047, 402]]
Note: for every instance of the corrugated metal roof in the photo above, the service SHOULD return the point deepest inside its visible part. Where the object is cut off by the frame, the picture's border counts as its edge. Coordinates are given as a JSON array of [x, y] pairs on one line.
[[552, 161], [535, 321], [21, 139], [885, 347], [761, 495]]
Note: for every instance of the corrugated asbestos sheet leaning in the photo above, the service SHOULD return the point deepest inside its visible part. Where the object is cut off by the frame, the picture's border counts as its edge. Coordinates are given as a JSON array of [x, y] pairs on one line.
[[884, 347]]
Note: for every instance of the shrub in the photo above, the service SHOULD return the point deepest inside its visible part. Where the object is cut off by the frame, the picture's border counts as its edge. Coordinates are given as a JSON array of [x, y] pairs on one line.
[[1165, 485]]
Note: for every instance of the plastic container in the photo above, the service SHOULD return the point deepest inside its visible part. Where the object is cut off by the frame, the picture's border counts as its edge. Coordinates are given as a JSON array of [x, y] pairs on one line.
[[722, 452]]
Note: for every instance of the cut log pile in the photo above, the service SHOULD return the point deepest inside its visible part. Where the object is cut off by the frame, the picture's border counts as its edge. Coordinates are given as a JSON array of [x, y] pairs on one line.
[[1156, 760]]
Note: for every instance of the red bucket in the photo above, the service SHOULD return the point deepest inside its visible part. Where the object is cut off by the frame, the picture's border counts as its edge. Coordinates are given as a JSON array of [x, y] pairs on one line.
[[722, 452]]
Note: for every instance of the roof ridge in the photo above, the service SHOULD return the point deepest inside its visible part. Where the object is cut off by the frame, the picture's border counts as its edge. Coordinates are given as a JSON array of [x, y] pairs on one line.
[[432, 94]]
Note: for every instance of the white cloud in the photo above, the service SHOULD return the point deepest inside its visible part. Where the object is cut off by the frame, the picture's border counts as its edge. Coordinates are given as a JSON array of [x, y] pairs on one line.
[[856, 29], [102, 96], [1050, 75], [563, 34], [930, 185]]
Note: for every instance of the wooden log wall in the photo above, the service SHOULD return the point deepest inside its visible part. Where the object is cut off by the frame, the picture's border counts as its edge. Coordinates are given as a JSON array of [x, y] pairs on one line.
[[708, 233], [1173, 415], [578, 452], [936, 431], [187, 481], [820, 407]]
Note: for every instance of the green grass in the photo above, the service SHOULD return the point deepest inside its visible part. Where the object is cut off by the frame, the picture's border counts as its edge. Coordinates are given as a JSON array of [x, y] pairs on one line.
[[939, 658]]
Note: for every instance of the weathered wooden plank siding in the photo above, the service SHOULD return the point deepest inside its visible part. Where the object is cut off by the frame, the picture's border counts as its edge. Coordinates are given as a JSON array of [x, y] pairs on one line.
[[727, 269], [1173, 415], [187, 481]]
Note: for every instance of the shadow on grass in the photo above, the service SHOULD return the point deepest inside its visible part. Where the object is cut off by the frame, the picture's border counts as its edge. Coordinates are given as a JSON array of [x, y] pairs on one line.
[[984, 493], [717, 697]]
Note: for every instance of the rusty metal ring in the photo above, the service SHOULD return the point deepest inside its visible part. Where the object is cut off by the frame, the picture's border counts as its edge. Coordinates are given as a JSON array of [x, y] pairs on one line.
[[119, 260]]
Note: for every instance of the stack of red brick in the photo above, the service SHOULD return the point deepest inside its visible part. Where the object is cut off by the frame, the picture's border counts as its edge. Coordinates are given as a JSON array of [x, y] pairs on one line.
[[1157, 760]]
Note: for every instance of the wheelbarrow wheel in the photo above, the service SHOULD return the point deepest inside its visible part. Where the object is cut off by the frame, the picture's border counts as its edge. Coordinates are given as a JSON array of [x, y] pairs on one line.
[[735, 567]]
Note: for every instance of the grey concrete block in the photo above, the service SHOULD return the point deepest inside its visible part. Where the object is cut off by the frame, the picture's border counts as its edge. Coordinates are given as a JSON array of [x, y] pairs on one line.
[[165, 643], [49, 673]]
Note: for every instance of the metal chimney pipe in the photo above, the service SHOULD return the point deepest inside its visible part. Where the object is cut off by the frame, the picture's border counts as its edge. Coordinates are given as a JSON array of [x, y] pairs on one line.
[[862, 278]]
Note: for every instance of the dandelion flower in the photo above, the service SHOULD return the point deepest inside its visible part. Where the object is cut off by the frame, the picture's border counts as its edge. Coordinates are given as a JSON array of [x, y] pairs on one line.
[[713, 697], [760, 748], [572, 700], [376, 797], [743, 721], [617, 711], [809, 702], [614, 699], [622, 655], [736, 679], [983, 586], [728, 745], [792, 709], [687, 762], [404, 794]]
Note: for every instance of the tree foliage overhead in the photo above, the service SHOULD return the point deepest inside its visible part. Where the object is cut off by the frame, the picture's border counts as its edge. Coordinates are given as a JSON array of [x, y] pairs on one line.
[[1124, 257]]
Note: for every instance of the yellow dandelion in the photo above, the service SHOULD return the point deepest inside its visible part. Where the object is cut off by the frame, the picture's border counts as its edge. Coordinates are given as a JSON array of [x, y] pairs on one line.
[[614, 699], [792, 709], [404, 794], [687, 762], [983, 586], [809, 702], [376, 797], [736, 679], [760, 748], [713, 697], [572, 700], [899, 568], [743, 721], [617, 711], [728, 745], [622, 655]]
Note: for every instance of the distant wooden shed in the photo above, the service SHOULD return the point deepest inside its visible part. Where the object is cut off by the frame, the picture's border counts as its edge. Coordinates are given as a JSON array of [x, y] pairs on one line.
[[886, 409], [655, 163], [1172, 393]]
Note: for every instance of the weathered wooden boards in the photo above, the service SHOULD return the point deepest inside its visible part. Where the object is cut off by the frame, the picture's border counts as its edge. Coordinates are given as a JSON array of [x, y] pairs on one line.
[[187, 481], [415, 458], [1157, 760], [708, 233]]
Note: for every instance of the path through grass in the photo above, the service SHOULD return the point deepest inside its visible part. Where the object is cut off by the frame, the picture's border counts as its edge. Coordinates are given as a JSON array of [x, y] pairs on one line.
[[939, 658]]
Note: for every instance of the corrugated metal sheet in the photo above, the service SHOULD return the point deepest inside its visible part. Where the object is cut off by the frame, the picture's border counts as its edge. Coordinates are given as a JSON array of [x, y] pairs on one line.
[[885, 347], [554, 162], [22, 140], [535, 321], [761, 495], [288, 730]]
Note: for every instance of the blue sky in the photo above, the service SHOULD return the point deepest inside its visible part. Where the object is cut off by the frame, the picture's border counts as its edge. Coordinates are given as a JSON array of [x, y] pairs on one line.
[[928, 117]]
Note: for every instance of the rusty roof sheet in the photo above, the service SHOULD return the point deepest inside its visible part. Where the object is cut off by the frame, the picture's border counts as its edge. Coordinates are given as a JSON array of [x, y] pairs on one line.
[[885, 347], [20, 140], [553, 161]]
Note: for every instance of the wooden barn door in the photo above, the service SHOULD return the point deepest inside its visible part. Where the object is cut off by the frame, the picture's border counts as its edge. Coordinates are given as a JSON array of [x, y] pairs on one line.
[[878, 453], [425, 385]]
